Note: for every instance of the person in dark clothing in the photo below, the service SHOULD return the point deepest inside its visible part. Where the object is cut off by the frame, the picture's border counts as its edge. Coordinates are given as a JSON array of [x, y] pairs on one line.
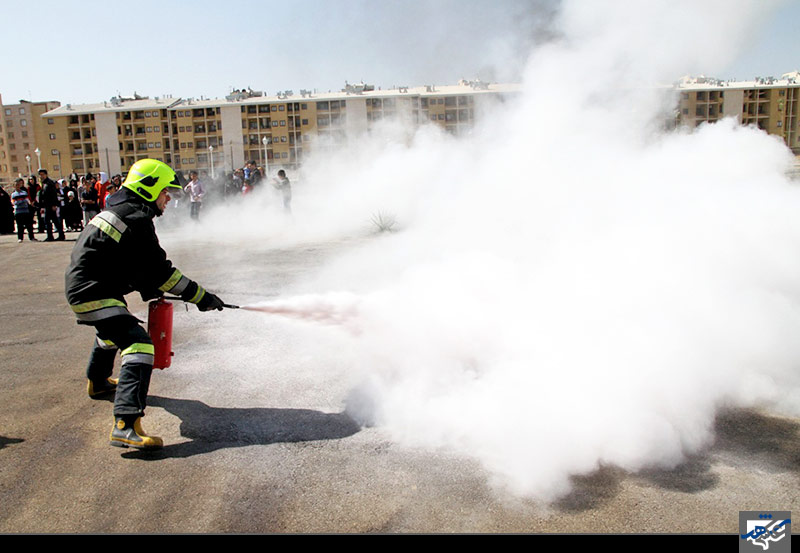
[[252, 176], [6, 213], [118, 253], [33, 196], [51, 205], [73, 214], [284, 187], [89, 202]]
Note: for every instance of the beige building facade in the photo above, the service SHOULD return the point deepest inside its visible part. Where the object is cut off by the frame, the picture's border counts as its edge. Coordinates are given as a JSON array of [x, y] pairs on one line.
[[770, 104], [280, 131], [30, 141], [274, 131]]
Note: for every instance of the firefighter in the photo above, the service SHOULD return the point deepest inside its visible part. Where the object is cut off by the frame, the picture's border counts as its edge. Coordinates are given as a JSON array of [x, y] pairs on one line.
[[118, 253]]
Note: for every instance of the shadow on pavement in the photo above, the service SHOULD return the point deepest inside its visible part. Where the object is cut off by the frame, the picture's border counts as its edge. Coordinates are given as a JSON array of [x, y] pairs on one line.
[[770, 442], [213, 428], [4, 441], [591, 490], [752, 437]]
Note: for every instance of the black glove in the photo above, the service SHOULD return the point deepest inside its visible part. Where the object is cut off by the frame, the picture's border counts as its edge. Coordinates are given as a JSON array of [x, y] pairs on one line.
[[148, 295], [209, 302]]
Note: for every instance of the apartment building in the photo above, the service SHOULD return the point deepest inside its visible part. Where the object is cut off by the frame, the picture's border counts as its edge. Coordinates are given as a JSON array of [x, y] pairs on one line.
[[5, 167], [770, 104], [30, 141], [280, 131], [222, 134]]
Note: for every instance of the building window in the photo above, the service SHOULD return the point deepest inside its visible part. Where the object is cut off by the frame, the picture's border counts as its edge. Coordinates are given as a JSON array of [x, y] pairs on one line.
[[52, 136], [54, 152], [24, 122], [8, 112], [50, 121]]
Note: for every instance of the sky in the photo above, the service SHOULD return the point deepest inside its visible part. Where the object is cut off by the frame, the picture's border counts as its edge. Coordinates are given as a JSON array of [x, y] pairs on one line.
[[88, 52]]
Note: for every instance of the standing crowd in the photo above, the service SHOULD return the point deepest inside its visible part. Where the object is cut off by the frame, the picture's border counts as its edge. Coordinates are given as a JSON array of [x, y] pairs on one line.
[[251, 177], [56, 207]]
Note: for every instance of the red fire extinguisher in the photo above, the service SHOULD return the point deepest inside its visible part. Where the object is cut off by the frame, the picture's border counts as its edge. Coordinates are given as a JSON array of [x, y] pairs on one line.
[[159, 326]]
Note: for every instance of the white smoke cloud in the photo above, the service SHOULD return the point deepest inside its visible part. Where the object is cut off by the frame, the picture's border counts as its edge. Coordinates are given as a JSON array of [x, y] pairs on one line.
[[568, 288]]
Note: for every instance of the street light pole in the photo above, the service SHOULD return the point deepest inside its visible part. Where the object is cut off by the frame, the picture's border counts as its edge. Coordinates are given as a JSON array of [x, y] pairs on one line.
[[60, 168], [28, 159], [265, 141], [38, 153], [211, 159]]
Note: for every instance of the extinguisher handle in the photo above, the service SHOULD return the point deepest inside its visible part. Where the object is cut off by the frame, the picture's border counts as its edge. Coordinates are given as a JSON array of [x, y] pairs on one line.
[[178, 298]]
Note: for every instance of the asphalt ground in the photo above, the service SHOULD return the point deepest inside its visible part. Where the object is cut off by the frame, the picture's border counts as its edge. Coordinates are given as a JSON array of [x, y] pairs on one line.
[[273, 451]]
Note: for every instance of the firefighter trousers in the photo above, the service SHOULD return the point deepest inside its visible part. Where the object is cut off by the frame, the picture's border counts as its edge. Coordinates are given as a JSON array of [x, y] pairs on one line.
[[123, 334]]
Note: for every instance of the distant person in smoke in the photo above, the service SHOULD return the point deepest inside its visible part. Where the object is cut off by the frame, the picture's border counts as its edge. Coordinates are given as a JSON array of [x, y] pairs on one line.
[[234, 185], [282, 185], [196, 191], [252, 176], [116, 254]]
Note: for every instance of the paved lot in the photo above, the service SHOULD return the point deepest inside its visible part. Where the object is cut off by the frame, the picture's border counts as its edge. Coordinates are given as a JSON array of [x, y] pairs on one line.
[[255, 447]]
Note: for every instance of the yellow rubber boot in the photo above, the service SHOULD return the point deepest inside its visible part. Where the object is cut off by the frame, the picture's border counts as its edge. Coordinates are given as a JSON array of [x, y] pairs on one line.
[[127, 434], [98, 389]]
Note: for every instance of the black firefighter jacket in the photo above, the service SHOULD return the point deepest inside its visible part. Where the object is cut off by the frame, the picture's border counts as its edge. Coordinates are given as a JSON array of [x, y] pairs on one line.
[[118, 253]]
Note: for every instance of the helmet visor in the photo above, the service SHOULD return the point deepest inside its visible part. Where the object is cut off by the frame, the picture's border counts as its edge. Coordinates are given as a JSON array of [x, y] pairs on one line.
[[178, 181]]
